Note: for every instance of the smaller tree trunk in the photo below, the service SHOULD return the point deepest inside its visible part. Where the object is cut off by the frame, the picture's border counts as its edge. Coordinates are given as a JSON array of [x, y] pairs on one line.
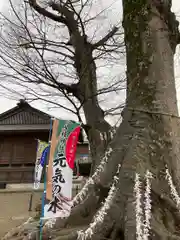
[[96, 125]]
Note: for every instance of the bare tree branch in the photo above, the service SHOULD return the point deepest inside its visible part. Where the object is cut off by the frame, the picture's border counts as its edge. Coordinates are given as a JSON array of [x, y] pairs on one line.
[[44, 12], [105, 38]]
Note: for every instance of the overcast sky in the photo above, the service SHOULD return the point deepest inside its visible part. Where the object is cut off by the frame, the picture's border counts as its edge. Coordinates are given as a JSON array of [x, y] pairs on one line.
[[7, 104]]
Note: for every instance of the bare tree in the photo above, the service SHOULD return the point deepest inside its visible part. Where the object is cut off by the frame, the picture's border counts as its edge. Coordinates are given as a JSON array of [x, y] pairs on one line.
[[48, 54]]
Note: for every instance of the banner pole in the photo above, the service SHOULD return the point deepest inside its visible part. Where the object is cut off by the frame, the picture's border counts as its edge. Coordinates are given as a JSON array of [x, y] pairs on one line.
[[44, 191]]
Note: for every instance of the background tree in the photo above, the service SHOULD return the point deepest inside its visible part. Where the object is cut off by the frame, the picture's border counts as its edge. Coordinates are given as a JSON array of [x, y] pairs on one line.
[[148, 137], [48, 52]]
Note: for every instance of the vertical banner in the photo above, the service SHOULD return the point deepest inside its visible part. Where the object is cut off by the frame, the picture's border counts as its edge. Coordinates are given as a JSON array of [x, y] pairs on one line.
[[42, 151], [64, 140]]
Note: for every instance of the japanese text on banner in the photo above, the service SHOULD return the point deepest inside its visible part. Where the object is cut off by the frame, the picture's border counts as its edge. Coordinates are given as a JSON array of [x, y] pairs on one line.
[[60, 169]]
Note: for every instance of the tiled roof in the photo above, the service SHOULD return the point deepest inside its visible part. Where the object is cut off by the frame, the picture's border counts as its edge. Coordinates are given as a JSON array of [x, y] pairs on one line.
[[23, 113]]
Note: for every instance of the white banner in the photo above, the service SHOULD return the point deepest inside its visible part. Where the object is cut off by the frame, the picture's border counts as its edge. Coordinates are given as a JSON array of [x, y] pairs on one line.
[[60, 175]]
